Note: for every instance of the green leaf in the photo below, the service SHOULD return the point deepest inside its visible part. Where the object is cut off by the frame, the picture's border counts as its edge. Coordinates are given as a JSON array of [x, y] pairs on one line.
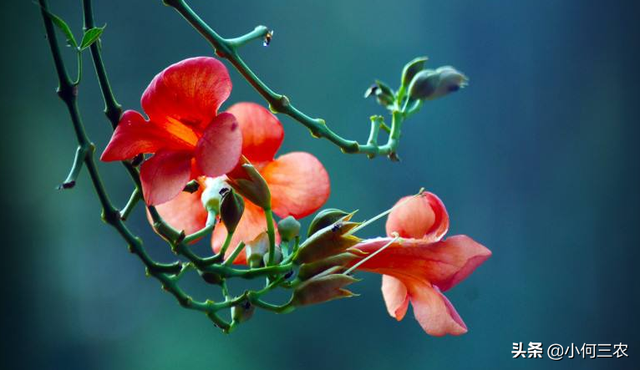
[[63, 26], [90, 36]]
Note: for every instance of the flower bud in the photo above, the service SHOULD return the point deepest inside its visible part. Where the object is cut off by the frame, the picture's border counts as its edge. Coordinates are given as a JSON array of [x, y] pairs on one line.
[[288, 228], [215, 189], [247, 181], [256, 250], [384, 94], [231, 210], [308, 270], [277, 256], [429, 84], [211, 278], [242, 312], [411, 69], [322, 288], [325, 218], [333, 239]]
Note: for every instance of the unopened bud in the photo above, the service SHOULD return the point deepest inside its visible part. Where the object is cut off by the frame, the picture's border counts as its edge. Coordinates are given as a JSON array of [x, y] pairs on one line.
[[256, 250], [308, 270], [383, 93], [211, 278], [215, 189], [429, 84], [231, 210], [333, 239], [277, 256], [325, 218], [243, 311], [322, 288], [247, 181], [288, 228], [411, 69]]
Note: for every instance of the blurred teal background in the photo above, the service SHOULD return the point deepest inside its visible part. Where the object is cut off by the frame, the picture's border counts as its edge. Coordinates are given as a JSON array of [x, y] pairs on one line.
[[537, 159]]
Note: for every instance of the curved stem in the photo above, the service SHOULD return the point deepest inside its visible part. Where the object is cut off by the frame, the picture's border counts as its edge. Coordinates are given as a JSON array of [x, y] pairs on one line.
[[166, 273], [136, 195], [272, 236], [200, 233], [228, 49]]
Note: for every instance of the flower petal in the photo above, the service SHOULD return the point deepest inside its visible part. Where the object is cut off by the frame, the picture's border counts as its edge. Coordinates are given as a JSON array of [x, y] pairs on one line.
[[184, 212], [395, 296], [443, 264], [219, 149], [421, 217], [299, 184], [190, 91], [251, 225], [164, 175], [262, 133], [134, 135], [433, 311]]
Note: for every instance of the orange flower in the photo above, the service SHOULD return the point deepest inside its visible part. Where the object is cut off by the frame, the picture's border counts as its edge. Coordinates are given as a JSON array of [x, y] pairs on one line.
[[298, 182], [419, 266], [184, 132]]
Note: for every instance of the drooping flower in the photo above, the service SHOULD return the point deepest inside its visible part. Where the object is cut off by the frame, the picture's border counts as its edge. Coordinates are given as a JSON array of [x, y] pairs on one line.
[[298, 182], [419, 266], [184, 132]]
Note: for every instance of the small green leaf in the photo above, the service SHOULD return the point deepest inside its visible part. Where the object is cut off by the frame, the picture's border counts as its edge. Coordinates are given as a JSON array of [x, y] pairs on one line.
[[90, 36], [63, 26]]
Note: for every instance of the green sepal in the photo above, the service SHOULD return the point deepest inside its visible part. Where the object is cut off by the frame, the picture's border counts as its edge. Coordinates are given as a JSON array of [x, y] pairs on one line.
[[329, 241], [325, 218], [411, 69]]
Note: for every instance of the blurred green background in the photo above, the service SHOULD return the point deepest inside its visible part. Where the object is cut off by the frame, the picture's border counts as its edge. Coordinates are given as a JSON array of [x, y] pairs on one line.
[[537, 159]]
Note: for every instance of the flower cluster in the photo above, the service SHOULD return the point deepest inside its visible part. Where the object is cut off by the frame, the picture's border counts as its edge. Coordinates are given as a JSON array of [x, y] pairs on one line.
[[232, 156]]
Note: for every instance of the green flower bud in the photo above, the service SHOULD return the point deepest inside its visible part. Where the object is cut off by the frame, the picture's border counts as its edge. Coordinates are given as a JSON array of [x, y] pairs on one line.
[[288, 228], [333, 239], [211, 278], [242, 312], [231, 210], [308, 270], [411, 69], [322, 288], [277, 256], [247, 181], [325, 218], [256, 250], [429, 84]]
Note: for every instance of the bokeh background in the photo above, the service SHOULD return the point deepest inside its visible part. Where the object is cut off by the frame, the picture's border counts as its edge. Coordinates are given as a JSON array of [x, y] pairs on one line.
[[537, 159]]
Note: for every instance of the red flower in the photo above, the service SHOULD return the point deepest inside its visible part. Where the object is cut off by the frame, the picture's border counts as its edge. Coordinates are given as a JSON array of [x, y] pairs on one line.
[[419, 266], [298, 182], [184, 131]]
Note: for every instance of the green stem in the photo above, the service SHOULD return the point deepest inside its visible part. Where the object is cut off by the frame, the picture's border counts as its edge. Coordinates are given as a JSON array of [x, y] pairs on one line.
[[200, 233], [230, 272], [234, 255], [225, 245], [78, 160], [112, 109], [260, 32], [165, 273], [136, 195], [228, 49], [272, 236]]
